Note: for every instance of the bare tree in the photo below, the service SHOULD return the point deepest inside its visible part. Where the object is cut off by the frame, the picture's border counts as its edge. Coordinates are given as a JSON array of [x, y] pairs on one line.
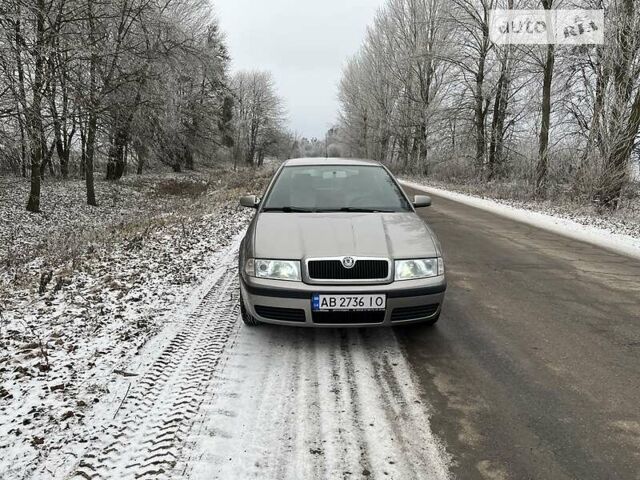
[[429, 91], [28, 36], [495, 166], [624, 112], [107, 79], [390, 91], [258, 116]]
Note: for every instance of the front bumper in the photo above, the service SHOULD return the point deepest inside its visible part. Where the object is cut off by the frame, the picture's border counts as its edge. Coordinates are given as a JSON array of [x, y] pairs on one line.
[[408, 301]]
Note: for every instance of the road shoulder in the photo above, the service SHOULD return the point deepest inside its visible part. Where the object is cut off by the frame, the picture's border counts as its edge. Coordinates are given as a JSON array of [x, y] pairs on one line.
[[619, 243]]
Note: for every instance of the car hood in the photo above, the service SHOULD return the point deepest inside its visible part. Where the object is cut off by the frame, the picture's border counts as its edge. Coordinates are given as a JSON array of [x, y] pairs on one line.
[[306, 235]]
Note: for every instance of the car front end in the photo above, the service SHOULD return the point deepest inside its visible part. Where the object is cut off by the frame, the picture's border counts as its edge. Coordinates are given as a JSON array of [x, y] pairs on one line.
[[298, 302]]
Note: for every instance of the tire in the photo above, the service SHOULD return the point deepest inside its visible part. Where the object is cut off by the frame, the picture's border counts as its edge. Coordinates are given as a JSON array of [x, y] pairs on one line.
[[248, 319]]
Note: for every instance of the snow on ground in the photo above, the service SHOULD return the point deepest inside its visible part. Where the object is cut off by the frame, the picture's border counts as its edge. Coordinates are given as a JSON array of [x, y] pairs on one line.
[[116, 274], [291, 403], [137, 431], [133, 362], [619, 235], [66, 225], [210, 398]]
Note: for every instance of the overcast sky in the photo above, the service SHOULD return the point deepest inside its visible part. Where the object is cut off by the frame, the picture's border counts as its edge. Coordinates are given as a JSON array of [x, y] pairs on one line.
[[304, 43]]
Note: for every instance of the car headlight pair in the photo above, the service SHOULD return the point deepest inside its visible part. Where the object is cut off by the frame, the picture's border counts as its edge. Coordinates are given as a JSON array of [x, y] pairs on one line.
[[274, 269], [419, 268], [290, 269]]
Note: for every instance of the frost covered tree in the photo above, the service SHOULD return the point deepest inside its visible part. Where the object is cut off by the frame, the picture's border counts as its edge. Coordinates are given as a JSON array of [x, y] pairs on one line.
[[258, 117], [429, 92], [86, 84]]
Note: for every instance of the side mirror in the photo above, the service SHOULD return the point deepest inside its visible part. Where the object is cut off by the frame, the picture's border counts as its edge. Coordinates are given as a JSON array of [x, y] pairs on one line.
[[249, 201], [420, 201]]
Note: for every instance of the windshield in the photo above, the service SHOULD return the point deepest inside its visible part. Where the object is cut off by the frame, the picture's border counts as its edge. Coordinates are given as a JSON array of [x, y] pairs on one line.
[[335, 188]]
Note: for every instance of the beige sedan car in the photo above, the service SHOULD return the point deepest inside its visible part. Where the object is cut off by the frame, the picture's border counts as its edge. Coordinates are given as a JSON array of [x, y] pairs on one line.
[[337, 243]]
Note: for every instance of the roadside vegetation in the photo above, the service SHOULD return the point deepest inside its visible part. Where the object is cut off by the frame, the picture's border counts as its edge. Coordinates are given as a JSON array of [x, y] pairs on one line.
[[429, 94], [83, 289], [92, 90]]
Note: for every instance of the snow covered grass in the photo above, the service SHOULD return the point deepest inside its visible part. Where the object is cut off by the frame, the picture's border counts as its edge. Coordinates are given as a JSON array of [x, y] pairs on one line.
[[82, 289], [67, 225], [620, 234], [625, 221]]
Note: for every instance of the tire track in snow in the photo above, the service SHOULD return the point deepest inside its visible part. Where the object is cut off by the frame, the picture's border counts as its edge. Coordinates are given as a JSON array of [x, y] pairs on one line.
[[145, 439], [313, 404], [351, 412]]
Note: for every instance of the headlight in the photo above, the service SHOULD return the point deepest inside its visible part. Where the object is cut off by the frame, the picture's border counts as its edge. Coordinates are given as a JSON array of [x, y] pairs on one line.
[[420, 268], [274, 269]]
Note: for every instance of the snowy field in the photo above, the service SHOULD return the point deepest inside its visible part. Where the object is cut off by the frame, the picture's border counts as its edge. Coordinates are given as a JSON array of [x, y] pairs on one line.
[[82, 290]]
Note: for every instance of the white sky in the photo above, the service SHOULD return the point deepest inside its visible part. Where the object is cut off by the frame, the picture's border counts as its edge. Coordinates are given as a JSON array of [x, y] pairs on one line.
[[304, 43]]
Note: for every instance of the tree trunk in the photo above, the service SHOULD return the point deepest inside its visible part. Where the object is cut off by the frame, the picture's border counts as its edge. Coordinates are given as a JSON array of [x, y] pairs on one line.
[[61, 142], [625, 121], [542, 168], [365, 135], [64, 165], [499, 113], [83, 148], [116, 162], [384, 147], [33, 204], [22, 101], [187, 154], [47, 158], [23, 147], [141, 153], [594, 130], [251, 151], [34, 113], [481, 140], [88, 165], [616, 166], [92, 123]]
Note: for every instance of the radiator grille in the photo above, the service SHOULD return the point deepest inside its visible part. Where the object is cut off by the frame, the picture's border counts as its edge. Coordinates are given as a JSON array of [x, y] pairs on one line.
[[362, 270]]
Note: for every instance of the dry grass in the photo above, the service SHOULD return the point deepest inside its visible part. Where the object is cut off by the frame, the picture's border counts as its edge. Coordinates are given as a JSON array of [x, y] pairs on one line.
[[181, 188]]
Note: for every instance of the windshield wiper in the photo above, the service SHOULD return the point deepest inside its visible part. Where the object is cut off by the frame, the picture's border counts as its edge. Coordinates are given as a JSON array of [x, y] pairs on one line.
[[327, 210], [288, 209], [358, 210]]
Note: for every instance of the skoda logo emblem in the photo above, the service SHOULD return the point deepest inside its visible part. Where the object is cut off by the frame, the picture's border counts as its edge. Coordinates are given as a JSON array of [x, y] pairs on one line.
[[348, 262]]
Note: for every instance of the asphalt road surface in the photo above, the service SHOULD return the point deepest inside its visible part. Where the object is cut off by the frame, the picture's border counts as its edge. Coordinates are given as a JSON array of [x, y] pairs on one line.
[[533, 371]]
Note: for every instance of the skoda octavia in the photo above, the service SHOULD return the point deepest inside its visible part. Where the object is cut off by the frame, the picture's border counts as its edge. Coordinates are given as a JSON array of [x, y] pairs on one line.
[[337, 243]]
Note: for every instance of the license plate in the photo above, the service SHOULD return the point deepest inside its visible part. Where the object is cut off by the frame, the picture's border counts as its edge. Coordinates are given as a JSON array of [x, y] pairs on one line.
[[321, 303]]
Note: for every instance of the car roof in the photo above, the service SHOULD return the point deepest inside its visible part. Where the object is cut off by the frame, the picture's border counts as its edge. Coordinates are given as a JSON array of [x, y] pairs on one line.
[[296, 162]]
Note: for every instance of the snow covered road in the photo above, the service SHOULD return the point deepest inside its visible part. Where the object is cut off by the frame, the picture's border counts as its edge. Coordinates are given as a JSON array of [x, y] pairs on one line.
[[299, 403], [214, 399]]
